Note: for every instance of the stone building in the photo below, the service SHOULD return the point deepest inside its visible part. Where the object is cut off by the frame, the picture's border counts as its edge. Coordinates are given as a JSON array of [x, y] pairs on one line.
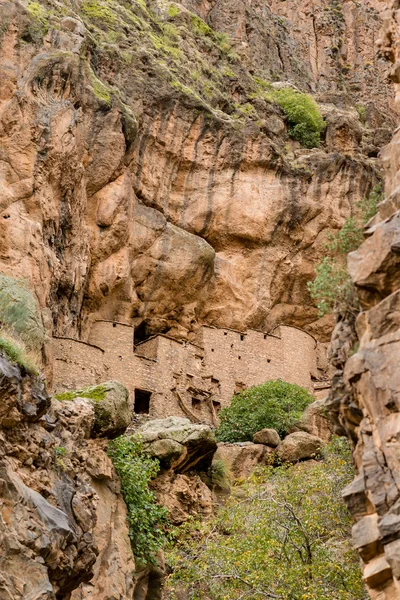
[[166, 376]]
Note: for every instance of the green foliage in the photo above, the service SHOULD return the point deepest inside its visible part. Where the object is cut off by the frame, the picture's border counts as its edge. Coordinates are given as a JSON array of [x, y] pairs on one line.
[[332, 288], [362, 112], [146, 518], [173, 10], [16, 353], [99, 10], [275, 404], [93, 392], [303, 115], [283, 535], [19, 313], [200, 28], [100, 90], [39, 16]]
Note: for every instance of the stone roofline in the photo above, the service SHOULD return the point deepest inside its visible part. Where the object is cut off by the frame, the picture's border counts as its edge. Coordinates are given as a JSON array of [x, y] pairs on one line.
[[182, 342], [61, 337], [167, 337]]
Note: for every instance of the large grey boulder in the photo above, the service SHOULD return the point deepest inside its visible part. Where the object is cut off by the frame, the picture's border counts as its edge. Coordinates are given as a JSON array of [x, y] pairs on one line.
[[268, 437], [163, 438], [112, 410], [299, 446]]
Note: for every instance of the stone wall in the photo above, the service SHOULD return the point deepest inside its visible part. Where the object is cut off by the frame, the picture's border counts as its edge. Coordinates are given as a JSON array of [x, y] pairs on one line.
[[184, 378]]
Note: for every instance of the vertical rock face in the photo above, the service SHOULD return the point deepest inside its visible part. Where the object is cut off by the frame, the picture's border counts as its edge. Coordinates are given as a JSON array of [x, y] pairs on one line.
[[366, 400], [128, 193], [63, 521]]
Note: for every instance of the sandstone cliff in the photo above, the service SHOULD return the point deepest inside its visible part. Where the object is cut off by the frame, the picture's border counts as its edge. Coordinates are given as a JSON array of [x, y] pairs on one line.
[[366, 391], [147, 178], [63, 519]]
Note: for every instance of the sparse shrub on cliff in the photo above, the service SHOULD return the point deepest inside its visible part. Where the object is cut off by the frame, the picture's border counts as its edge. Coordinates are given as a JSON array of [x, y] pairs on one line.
[[16, 353], [39, 17], [332, 289], [303, 116], [19, 313], [275, 404], [145, 516], [22, 334], [283, 534]]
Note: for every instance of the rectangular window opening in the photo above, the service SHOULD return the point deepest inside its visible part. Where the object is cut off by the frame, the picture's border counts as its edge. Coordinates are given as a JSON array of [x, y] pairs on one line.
[[142, 402]]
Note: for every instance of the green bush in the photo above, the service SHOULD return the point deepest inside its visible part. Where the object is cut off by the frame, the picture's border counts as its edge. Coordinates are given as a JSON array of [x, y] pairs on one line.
[[332, 289], [302, 113], [283, 534], [276, 404], [146, 518]]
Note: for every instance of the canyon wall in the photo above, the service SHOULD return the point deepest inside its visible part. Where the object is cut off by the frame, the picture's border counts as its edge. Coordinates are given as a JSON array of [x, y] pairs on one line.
[[366, 351], [146, 177]]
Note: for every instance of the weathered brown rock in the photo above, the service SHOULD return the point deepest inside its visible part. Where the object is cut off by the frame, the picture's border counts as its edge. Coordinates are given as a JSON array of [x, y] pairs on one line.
[[242, 458], [147, 211], [177, 442], [364, 399], [315, 420], [299, 445], [268, 437], [64, 520]]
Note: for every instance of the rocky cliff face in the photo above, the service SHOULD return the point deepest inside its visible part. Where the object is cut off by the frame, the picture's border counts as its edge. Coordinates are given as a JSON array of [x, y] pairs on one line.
[[365, 402], [145, 176], [63, 520]]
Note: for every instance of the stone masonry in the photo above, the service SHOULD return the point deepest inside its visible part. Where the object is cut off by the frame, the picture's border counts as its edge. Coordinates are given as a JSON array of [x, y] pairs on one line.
[[167, 377]]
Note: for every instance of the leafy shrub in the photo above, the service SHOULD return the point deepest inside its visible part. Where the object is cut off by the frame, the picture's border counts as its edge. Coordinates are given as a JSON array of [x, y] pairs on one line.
[[276, 404], [302, 113], [284, 535], [146, 518], [332, 288]]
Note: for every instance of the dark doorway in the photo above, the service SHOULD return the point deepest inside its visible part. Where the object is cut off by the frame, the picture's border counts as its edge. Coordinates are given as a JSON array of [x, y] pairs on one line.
[[140, 334], [142, 402]]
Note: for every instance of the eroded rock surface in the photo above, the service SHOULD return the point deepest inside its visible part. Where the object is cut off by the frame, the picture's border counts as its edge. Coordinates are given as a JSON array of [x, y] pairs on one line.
[[127, 197], [63, 519], [365, 393]]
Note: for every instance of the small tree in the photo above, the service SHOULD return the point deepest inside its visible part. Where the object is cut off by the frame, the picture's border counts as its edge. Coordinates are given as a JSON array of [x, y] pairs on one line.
[[285, 537], [276, 404], [332, 289]]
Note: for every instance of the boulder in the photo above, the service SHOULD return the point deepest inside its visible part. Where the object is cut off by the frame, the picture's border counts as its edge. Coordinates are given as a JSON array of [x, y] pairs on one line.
[[315, 421], [243, 457], [183, 495], [268, 437], [112, 409], [168, 452], [299, 446], [197, 441]]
